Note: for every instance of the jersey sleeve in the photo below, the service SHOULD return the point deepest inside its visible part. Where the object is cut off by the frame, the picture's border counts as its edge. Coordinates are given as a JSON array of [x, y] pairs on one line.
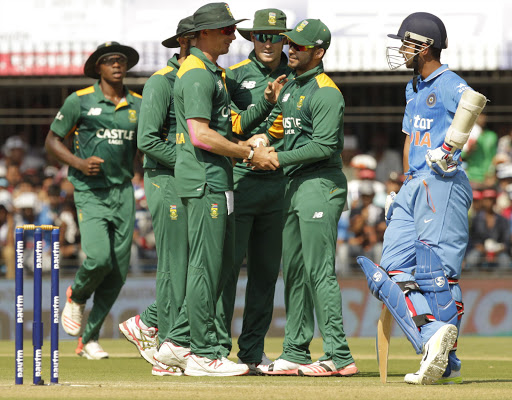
[[198, 91], [275, 130], [250, 119], [68, 116], [156, 100], [406, 122]]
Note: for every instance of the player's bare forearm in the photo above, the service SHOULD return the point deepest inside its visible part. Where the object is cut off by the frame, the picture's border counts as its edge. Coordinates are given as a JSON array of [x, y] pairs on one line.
[[407, 145]]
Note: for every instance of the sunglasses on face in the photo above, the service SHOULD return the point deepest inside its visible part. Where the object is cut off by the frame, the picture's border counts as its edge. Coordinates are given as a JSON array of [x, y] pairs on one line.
[[298, 47], [263, 37], [228, 30], [114, 59]]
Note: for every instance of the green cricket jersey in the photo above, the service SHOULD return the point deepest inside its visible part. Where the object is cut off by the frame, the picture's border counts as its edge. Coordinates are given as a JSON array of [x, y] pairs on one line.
[[246, 83], [101, 129], [200, 92], [309, 115], [157, 118]]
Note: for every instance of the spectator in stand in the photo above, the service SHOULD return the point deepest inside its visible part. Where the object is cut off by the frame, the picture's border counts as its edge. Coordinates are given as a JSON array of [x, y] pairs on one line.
[[479, 151], [17, 152], [6, 229], [350, 150], [490, 234], [503, 202], [504, 151], [367, 225], [364, 167], [387, 159], [13, 176]]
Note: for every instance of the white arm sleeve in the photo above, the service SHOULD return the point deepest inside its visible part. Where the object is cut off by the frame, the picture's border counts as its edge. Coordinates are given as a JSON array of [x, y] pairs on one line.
[[470, 106]]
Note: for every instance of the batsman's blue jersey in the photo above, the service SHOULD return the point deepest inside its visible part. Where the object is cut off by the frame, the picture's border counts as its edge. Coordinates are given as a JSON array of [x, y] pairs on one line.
[[429, 113]]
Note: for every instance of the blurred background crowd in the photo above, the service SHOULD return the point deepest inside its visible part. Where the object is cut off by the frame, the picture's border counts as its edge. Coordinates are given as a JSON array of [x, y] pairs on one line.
[[35, 190]]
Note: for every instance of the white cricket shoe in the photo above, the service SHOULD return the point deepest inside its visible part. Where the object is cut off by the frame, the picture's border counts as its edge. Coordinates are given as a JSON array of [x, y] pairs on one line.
[[72, 315], [172, 371], [258, 368], [435, 357], [202, 366], [455, 377], [169, 355], [143, 337], [281, 367], [327, 368], [91, 350]]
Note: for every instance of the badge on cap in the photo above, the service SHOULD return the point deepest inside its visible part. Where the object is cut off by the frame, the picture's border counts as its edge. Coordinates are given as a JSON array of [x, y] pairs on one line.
[[301, 26], [229, 11], [272, 18]]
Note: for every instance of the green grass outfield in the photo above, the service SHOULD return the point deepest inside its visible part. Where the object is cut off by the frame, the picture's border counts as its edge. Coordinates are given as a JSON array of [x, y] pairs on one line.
[[487, 373]]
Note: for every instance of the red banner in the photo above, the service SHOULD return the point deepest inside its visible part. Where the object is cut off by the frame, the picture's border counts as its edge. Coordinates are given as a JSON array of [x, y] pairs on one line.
[[42, 63]]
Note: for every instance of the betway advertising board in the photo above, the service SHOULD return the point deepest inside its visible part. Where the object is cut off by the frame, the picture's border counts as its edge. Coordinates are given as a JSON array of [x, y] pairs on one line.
[[487, 302]]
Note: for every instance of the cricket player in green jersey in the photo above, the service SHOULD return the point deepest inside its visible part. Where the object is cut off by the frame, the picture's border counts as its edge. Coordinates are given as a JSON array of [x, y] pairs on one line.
[[309, 116], [204, 181], [156, 139], [103, 121], [258, 196]]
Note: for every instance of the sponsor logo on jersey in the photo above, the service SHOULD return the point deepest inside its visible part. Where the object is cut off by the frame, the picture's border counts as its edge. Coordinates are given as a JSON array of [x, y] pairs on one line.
[[115, 136], [94, 111], [300, 102], [431, 100], [289, 125], [226, 112], [301, 26], [248, 84], [173, 212], [214, 211], [132, 116], [180, 138], [422, 123], [59, 116], [286, 97], [462, 87], [272, 18], [318, 214], [219, 84]]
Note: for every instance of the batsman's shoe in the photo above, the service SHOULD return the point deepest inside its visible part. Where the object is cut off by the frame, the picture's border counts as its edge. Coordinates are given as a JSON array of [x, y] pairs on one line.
[[258, 368], [327, 368], [435, 357], [170, 355], [172, 371], [144, 338], [282, 367], [455, 377], [202, 366], [91, 350], [72, 315]]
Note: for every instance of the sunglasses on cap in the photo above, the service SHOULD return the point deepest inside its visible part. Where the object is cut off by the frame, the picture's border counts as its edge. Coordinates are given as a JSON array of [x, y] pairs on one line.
[[121, 60], [228, 30], [263, 37], [298, 47]]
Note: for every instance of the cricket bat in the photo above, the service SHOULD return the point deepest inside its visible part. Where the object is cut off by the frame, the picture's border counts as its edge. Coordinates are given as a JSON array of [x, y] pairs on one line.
[[383, 338]]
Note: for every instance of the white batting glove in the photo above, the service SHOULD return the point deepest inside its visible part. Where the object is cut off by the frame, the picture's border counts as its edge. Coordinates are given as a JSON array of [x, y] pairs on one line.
[[441, 161], [388, 208]]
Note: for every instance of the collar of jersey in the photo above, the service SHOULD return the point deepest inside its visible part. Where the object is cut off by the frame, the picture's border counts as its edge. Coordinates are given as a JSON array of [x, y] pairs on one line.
[[282, 65], [101, 97], [306, 76], [437, 72], [173, 62], [199, 54]]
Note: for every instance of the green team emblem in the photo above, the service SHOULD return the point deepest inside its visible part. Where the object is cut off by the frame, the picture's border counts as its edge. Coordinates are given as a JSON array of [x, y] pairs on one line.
[[173, 212]]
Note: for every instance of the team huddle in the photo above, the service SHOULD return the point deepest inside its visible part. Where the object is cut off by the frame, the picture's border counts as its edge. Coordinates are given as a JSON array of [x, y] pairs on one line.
[[245, 164]]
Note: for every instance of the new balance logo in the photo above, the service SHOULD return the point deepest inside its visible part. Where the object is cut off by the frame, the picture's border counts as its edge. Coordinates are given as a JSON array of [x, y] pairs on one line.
[[248, 84], [59, 116], [318, 214], [94, 111], [286, 97]]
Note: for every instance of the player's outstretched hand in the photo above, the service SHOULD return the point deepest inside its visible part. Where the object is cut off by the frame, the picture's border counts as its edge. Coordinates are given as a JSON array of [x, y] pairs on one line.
[[274, 88], [264, 158], [441, 162], [91, 166]]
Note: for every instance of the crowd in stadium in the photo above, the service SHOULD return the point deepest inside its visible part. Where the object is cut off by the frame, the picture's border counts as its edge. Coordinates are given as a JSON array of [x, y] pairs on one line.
[[34, 189]]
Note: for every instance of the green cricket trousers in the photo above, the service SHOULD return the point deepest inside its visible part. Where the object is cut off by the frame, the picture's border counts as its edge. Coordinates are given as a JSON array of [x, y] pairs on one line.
[[106, 220], [312, 206]]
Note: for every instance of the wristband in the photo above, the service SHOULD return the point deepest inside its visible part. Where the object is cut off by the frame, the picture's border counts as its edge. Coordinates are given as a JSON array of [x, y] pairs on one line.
[[251, 154]]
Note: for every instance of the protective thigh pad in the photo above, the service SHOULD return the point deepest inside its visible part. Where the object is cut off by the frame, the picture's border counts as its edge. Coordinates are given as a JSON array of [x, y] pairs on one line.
[[393, 297], [434, 284]]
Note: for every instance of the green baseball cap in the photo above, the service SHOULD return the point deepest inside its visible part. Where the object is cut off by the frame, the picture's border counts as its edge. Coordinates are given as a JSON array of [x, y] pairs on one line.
[[214, 16], [184, 26], [269, 19], [310, 32], [109, 48]]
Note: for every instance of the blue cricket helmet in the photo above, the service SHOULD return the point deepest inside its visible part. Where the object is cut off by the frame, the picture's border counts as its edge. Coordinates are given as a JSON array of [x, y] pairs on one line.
[[425, 28]]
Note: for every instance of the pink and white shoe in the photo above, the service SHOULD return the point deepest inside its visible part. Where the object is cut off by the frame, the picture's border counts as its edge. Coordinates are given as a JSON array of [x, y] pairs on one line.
[[143, 337], [281, 367]]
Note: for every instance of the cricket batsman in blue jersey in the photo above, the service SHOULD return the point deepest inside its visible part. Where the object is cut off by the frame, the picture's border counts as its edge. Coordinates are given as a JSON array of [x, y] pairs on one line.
[[428, 233]]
